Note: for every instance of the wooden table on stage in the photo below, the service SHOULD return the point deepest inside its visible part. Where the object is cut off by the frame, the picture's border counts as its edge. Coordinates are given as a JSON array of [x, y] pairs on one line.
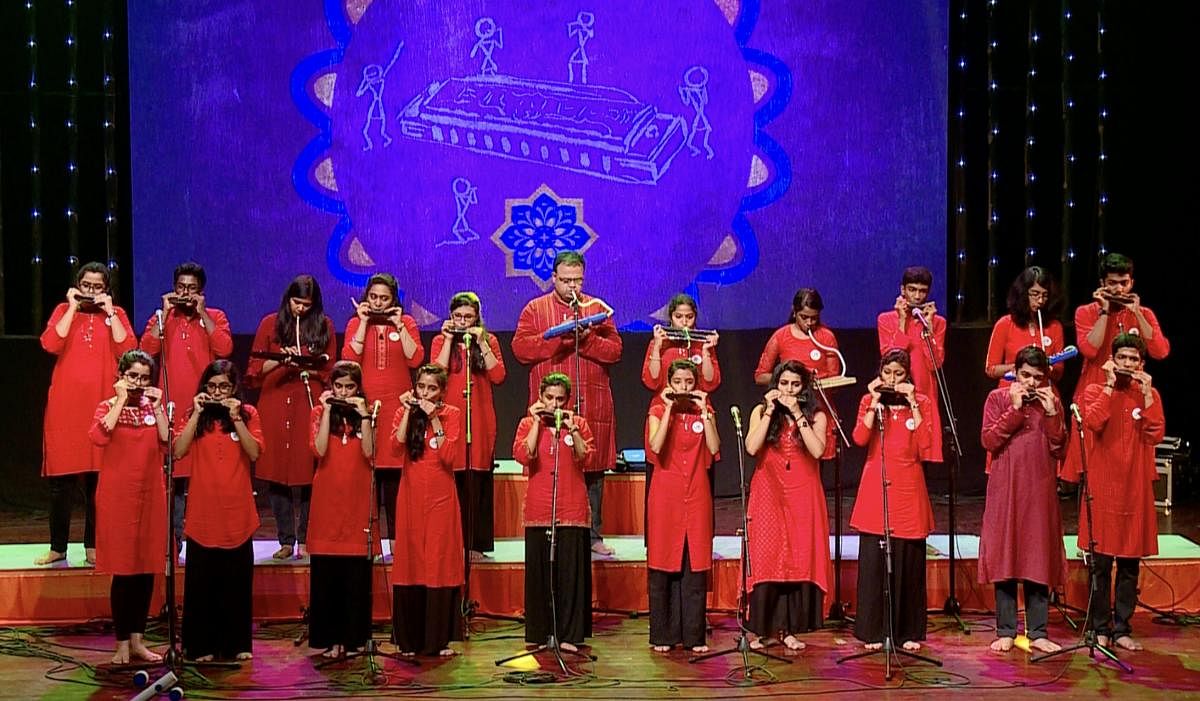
[[624, 501]]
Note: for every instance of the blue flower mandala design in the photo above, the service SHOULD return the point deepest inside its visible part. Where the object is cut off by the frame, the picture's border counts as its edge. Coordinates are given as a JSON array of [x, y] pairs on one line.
[[537, 229]]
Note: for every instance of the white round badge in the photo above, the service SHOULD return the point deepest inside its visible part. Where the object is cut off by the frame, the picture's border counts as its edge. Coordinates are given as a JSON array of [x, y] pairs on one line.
[[394, 336], [911, 424], [697, 426], [569, 440], [1045, 341], [108, 321], [234, 437], [148, 419], [433, 442], [1136, 413], [1135, 331], [814, 354], [696, 359]]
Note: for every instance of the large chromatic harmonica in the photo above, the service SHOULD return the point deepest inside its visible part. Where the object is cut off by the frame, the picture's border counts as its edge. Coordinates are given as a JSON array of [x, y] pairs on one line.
[[682, 397], [304, 361], [1117, 297], [342, 404], [890, 397], [675, 333], [183, 302]]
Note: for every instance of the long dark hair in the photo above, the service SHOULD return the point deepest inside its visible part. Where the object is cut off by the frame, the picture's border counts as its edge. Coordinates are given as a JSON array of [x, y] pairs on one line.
[[470, 299], [211, 418], [807, 402], [314, 334], [418, 420], [1018, 295], [340, 418]]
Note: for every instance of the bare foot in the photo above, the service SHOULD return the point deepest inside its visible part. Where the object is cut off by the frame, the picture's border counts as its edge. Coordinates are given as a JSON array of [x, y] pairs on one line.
[[1102, 640], [121, 656], [1128, 643], [477, 556], [873, 646], [144, 653], [301, 553], [793, 643], [1045, 645], [1002, 644], [911, 645], [50, 558], [447, 652], [568, 647], [661, 648], [700, 649], [332, 652], [757, 644], [89, 555], [283, 553], [243, 656], [602, 548], [205, 658]]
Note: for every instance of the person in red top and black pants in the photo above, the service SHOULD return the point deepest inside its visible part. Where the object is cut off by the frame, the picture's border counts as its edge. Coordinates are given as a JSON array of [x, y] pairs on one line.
[[339, 613], [222, 437], [196, 335], [906, 438], [130, 429], [553, 437]]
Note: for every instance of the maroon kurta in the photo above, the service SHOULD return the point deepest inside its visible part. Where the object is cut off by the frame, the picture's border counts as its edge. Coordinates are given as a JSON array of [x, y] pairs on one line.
[[909, 513], [190, 349], [1008, 340], [220, 506], [131, 496], [341, 496], [1120, 434], [483, 409], [387, 373], [284, 407], [573, 506], [83, 376], [429, 540], [789, 524], [679, 506], [1022, 536], [923, 367], [599, 349]]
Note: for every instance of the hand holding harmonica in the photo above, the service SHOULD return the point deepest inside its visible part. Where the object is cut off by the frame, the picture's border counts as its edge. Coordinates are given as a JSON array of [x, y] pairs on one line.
[[369, 315]]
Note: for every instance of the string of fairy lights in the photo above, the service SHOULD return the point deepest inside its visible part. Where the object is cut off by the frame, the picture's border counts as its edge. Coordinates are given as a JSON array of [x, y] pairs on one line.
[[1101, 121], [111, 183], [1031, 130], [993, 140], [1067, 108], [958, 158]]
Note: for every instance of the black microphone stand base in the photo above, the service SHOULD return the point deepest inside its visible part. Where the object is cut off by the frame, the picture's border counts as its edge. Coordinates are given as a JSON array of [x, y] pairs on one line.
[[1092, 646], [741, 647], [889, 650], [370, 652], [552, 646]]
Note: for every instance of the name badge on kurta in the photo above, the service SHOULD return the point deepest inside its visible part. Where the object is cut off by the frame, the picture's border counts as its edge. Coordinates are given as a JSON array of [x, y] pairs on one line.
[[1135, 331], [234, 437], [696, 359], [108, 321], [697, 426], [148, 419], [911, 424], [1045, 341], [814, 354], [569, 440], [1136, 413], [433, 442], [394, 336]]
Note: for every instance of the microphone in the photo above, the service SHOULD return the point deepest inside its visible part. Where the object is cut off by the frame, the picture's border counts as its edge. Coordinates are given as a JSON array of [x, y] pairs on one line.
[[158, 315], [916, 312], [1075, 413], [574, 299], [170, 407], [737, 417], [558, 416], [375, 411]]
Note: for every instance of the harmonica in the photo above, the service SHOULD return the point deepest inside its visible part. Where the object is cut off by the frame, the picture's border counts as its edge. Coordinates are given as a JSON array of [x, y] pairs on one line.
[[85, 299], [185, 302], [832, 382], [1117, 297], [341, 403], [682, 397], [212, 405], [675, 333], [890, 397], [304, 361]]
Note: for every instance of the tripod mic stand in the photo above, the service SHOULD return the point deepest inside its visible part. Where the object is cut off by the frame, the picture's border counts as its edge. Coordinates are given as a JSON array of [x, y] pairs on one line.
[[552, 642], [742, 644], [888, 649], [1089, 639], [837, 610]]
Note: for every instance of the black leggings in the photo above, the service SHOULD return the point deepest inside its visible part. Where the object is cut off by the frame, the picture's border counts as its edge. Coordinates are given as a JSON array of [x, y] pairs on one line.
[[130, 599]]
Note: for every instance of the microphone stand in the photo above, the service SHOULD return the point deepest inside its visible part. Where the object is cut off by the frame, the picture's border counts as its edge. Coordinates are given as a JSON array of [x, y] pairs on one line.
[[1088, 640], [742, 644], [951, 607], [837, 610], [552, 642]]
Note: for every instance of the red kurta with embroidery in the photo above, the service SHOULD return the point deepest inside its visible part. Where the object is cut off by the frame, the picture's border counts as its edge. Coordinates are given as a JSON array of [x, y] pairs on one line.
[[785, 345], [220, 506], [1021, 536], [600, 348], [429, 542], [1120, 434], [483, 409], [131, 495], [679, 350], [679, 506], [387, 373], [341, 492], [904, 443], [83, 376], [923, 367], [1008, 339], [573, 507], [190, 349], [789, 523], [283, 405], [1119, 321]]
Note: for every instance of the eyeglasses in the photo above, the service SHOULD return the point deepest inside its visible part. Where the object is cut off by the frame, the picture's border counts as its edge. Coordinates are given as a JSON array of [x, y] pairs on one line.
[[463, 317], [1039, 295], [137, 377], [95, 287], [571, 280], [218, 386]]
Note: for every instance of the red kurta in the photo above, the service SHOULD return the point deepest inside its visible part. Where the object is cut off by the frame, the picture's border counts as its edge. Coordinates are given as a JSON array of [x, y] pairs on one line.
[[483, 409], [284, 407], [190, 349], [573, 506], [83, 377], [341, 496], [387, 373], [909, 514], [679, 506], [678, 350], [220, 506], [1120, 434], [923, 367], [1008, 340], [131, 496], [599, 349], [785, 345], [1021, 536], [789, 524], [1120, 321], [429, 543]]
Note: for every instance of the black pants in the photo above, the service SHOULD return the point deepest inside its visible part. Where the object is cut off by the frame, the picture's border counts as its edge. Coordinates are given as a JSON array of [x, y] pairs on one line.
[[785, 607], [907, 585], [475, 497], [1108, 617], [387, 486], [426, 619], [339, 609], [572, 585], [677, 604], [180, 488], [595, 492], [129, 596], [217, 594], [63, 490], [1037, 605], [290, 506]]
